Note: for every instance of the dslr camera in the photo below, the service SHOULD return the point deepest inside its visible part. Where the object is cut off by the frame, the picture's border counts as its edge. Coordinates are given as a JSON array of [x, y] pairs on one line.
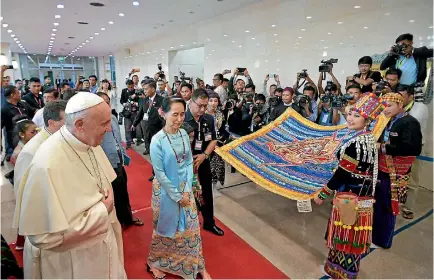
[[327, 65], [381, 87], [160, 72], [336, 102], [230, 104], [139, 92], [398, 49], [303, 74], [301, 100]]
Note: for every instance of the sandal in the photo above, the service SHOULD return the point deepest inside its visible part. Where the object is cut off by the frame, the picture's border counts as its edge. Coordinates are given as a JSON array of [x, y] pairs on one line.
[[407, 213], [137, 222], [152, 273]]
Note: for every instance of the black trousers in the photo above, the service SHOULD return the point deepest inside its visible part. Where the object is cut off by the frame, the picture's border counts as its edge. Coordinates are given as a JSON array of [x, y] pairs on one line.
[[205, 179], [121, 197], [149, 133]]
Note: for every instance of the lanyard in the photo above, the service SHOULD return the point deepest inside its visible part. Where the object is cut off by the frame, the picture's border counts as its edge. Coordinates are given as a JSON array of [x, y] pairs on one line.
[[151, 104], [387, 131], [409, 106], [37, 100], [401, 61], [198, 128], [118, 149], [19, 111]]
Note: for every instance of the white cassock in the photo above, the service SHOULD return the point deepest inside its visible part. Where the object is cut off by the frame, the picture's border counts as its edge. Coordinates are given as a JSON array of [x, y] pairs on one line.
[[69, 233]]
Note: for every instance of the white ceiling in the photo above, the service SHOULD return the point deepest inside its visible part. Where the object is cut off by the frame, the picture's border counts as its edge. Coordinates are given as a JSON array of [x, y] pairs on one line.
[[32, 21]]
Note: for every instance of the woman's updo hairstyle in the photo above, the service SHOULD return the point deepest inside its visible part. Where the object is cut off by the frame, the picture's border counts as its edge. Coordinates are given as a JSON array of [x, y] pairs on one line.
[[168, 101]]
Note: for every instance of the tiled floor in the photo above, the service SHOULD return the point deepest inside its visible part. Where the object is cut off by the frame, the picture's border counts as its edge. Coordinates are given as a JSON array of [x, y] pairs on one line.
[[293, 241]]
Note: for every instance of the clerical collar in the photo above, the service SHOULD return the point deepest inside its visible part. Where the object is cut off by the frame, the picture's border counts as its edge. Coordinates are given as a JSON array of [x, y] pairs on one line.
[[73, 141], [287, 105]]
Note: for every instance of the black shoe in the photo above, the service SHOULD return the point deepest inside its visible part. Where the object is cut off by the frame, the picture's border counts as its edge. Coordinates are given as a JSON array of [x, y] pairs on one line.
[[151, 178], [8, 158], [128, 146], [145, 153], [215, 229], [139, 142]]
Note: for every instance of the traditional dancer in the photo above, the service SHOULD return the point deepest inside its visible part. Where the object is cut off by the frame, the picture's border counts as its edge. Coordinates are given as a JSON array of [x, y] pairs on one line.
[[399, 145], [350, 225]]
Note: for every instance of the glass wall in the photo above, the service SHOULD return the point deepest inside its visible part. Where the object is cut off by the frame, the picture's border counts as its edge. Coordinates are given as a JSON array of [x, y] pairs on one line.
[[57, 67]]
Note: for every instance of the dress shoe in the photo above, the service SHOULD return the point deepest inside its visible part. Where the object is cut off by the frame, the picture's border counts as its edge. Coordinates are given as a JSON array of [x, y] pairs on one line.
[[151, 178], [215, 229], [145, 153]]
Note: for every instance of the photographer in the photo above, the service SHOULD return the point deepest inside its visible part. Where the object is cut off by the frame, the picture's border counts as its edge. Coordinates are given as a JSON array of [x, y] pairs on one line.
[[393, 79], [335, 86], [411, 61], [248, 109], [273, 87], [354, 93], [218, 87], [282, 106], [365, 78], [129, 100], [306, 105], [260, 118], [237, 87], [307, 81]]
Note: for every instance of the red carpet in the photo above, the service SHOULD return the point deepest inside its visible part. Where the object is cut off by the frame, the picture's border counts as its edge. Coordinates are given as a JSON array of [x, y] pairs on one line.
[[227, 257]]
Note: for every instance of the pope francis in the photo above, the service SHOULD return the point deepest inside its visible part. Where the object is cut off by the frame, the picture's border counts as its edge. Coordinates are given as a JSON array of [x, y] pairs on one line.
[[67, 202]]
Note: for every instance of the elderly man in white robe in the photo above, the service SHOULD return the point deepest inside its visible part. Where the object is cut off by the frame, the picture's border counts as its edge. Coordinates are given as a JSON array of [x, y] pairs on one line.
[[67, 205]]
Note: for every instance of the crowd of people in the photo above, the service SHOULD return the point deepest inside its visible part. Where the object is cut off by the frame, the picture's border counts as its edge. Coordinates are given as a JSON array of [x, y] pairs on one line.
[[181, 125]]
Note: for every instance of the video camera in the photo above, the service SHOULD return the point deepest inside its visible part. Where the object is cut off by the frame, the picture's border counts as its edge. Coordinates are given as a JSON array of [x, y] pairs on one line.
[[301, 100], [327, 65], [183, 78], [160, 72], [381, 88], [303, 74], [398, 49], [337, 101]]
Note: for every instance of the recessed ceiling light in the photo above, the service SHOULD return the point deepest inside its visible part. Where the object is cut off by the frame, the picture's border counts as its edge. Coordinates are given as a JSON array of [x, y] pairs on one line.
[[102, 28], [303, 29], [276, 41], [411, 20], [365, 27], [172, 47], [60, 6], [240, 46], [300, 37], [53, 34], [57, 16], [278, 60], [52, 38], [225, 35], [56, 24], [54, 29], [387, 14], [233, 41], [91, 37], [1, 18], [181, 45], [253, 38], [5, 25], [275, 34], [297, 43], [329, 33], [51, 42], [136, 3], [12, 35], [430, 27], [121, 14], [96, 33], [273, 25], [322, 40], [257, 44], [308, 17], [326, 48], [340, 22], [87, 41], [111, 22], [15, 39], [357, 7], [341, 43], [247, 31], [9, 30], [194, 43]]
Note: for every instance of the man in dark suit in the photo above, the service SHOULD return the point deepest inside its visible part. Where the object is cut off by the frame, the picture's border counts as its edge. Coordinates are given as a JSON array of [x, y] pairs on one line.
[[34, 98], [149, 113]]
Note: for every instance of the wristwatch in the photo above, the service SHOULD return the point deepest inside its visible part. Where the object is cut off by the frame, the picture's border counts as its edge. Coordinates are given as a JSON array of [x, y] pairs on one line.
[[206, 155]]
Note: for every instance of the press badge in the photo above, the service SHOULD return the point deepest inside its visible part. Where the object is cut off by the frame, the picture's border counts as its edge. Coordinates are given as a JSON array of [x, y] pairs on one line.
[[198, 145], [208, 137], [145, 117]]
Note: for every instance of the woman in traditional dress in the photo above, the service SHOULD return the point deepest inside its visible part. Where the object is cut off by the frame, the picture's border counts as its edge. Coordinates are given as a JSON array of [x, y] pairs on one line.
[[176, 245], [349, 231], [217, 163]]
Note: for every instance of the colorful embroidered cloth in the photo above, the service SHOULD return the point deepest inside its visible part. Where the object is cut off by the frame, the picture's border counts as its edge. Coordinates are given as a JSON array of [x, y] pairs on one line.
[[292, 156]]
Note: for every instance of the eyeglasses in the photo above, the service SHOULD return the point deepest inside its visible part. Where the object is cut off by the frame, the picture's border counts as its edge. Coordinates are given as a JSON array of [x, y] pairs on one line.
[[204, 106]]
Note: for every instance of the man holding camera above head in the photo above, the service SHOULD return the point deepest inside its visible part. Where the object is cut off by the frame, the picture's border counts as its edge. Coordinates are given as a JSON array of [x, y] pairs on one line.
[[411, 61], [272, 87], [306, 82], [365, 78], [237, 87], [130, 101]]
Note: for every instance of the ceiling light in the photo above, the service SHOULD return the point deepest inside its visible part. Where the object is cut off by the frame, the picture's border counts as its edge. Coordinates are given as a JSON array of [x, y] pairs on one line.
[[87, 41], [83, 43], [52, 38], [253, 38], [300, 37], [136, 3], [194, 43], [341, 43], [324, 53], [430, 27], [357, 7], [96, 33], [411, 20], [111, 22], [9, 30], [181, 45], [257, 44], [91, 37], [387, 14], [275, 34], [15, 39], [276, 41], [208, 39], [102, 28], [273, 25], [297, 43], [225, 35], [233, 41], [53, 34], [12, 35], [340, 22], [365, 27], [326, 48], [55, 24], [54, 29], [240, 46], [278, 60], [322, 40], [121, 14], [329, 33], [51, 42], [1, 18], [5, 25], [57, 16], [303, 29], [247, 31], [308, 17], [60, 6], [171, 47]]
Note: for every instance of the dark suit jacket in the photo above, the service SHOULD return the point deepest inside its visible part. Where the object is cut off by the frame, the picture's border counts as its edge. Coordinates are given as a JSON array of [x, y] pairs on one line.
[[155, 122], [420, 57], [35, 103]]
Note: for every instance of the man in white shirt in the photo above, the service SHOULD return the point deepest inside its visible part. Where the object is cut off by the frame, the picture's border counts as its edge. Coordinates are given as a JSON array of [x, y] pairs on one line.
[[50, 95], [218, 87], [420, 112]]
